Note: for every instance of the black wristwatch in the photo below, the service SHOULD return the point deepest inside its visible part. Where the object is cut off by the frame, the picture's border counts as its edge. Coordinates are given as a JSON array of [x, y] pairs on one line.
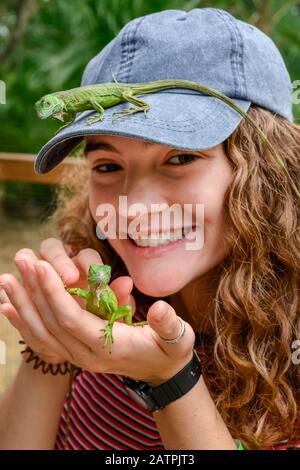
[[156, 398]]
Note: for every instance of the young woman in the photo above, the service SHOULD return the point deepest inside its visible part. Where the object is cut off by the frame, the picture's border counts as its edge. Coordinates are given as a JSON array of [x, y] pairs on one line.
[[234, 299]]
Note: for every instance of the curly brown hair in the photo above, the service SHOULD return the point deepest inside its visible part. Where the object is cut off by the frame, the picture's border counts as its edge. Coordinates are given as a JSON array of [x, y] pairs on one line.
[[257, 304]]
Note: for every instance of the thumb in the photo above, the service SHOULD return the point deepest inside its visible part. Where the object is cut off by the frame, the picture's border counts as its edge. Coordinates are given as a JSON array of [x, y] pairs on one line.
[[122, 287], [163, 319]]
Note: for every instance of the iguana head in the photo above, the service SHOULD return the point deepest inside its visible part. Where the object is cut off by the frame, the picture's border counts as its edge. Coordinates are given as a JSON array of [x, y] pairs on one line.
[[99, 275], [50, 106]]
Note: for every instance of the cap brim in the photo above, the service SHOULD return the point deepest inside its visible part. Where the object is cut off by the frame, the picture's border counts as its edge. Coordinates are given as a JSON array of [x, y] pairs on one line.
[[183, 120]]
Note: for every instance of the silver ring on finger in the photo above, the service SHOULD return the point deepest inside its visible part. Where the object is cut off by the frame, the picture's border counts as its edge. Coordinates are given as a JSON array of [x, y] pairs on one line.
[[181, 334]]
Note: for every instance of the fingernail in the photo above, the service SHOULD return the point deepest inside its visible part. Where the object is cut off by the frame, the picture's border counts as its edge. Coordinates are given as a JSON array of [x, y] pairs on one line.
[[22, 265], [6, 287], [163, 309], [67, 275], [40, 270]]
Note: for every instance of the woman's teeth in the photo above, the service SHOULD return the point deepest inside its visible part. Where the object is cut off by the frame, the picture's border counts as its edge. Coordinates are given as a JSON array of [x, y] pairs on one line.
[[161, 238]]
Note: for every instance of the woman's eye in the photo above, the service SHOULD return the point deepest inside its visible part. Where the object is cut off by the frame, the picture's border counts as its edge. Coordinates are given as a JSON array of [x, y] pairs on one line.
[[106, 168], [183, 159]]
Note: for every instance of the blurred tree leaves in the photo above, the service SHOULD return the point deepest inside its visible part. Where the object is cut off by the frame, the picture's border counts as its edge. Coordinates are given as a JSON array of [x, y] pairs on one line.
[[45, 45]]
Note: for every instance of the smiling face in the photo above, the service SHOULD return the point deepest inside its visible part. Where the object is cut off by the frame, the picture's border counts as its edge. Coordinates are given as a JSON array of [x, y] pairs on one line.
[[150, 174]]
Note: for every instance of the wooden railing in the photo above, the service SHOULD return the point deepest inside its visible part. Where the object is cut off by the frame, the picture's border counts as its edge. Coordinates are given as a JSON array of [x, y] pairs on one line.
[[20, 167]]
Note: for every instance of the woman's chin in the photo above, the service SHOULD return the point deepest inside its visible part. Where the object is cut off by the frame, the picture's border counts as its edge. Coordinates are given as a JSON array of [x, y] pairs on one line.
[[147, 290], [157, 285]]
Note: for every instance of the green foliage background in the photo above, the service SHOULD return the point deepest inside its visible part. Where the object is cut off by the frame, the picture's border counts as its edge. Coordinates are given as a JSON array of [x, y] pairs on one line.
[[45, 45]]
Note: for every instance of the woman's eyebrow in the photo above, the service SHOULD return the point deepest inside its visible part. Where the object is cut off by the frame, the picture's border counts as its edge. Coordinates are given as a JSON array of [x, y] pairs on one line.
[[91, 146], [98, 145]]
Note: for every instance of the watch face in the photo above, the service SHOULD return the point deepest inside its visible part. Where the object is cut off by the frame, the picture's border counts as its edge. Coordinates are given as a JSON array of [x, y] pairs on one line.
[[137, 398]]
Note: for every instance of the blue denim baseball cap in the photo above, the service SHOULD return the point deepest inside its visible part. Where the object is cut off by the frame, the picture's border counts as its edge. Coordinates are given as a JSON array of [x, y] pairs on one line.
[[204, 45]]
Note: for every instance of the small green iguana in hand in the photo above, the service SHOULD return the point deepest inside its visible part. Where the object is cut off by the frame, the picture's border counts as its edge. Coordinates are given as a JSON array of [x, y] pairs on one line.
[[101, 301], [64, 105]]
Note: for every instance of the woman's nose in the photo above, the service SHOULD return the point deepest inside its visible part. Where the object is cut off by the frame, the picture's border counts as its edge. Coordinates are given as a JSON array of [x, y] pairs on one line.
[[140, 202], [144, 193]]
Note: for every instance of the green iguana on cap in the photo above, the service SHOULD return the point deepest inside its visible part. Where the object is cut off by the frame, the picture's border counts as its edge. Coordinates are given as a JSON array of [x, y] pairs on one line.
[[64, 105]]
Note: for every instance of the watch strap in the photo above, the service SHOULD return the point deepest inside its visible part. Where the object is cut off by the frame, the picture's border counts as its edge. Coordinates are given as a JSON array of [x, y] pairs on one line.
[[158, 397]]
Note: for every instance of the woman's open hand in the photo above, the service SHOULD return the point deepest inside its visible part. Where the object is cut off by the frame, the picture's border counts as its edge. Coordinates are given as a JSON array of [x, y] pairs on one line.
[[58, 328]]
